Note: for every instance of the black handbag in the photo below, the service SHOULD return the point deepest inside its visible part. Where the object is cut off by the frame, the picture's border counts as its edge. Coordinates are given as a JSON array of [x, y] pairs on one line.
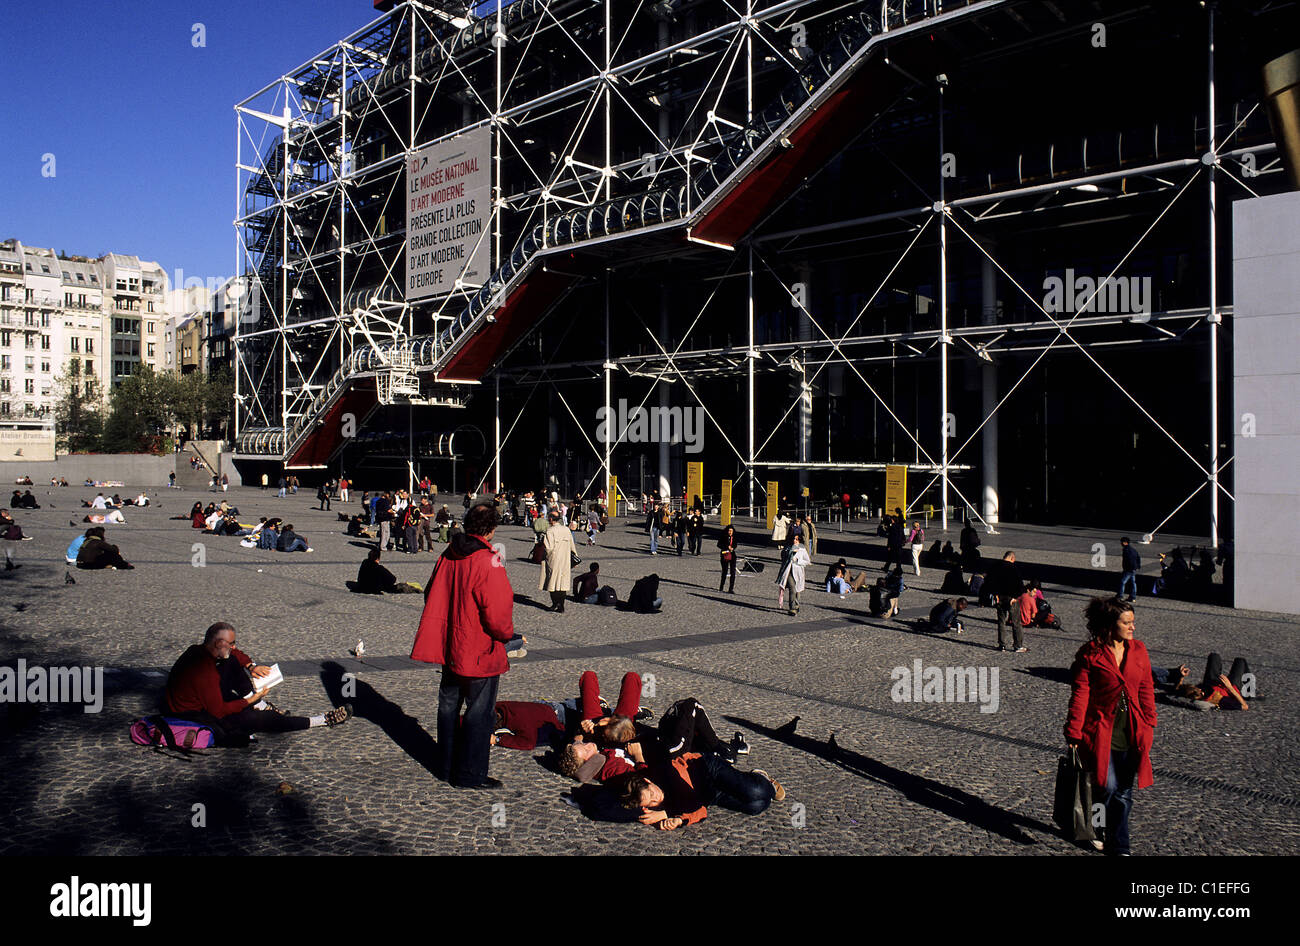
[[574, 561], [1072, 810]]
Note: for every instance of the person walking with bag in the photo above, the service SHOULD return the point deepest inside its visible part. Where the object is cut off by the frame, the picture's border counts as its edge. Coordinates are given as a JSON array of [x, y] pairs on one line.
[[1112, 715], [727, 553], [467, 620]]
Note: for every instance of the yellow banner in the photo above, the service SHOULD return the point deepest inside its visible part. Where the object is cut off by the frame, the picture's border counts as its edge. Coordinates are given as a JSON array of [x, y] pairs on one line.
[[724, 507], [772, 488], [895, 488], [612, 497], [694, 484]]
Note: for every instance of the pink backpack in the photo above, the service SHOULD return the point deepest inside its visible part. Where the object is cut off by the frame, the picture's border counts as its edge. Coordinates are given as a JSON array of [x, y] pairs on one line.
[[165, 733]]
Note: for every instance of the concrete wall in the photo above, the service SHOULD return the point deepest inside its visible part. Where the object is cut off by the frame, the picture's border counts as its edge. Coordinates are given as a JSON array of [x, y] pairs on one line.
[[1266, 390], [130, 468]]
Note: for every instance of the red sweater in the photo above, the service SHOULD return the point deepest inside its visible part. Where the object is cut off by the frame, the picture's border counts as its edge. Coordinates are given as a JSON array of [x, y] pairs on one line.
[[525, 722], [194, 686]]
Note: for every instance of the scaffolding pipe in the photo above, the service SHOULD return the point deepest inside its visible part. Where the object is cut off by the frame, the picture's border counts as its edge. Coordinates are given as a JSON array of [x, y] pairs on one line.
[[1213, 317], [943, 315]]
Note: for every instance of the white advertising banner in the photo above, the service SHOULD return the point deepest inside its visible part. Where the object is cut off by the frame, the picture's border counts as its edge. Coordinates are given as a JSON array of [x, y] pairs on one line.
[[449, 203]]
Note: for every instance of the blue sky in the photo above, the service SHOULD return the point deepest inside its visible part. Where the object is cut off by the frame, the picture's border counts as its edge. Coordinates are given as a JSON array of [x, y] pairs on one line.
[[140, 122]]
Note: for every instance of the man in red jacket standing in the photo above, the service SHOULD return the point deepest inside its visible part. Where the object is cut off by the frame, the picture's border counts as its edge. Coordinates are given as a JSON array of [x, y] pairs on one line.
[[465, 626]]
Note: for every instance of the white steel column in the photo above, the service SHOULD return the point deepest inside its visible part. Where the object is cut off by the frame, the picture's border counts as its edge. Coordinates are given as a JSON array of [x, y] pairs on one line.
[[989, 397], [611, 425], [1213, 317], [665, 402], [944, 340], [750, 355], [496, 431], [284, 272], [239, 268]]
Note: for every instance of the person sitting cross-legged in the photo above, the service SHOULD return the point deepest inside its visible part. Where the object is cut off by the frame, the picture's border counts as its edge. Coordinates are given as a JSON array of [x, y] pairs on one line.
[[215, 684]]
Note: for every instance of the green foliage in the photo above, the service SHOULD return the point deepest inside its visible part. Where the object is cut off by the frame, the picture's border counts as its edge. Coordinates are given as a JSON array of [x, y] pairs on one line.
[[142, 409], [79, 414]]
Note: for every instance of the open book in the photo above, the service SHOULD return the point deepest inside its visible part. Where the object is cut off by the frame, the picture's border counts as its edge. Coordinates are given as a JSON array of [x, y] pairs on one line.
[[274, 678]]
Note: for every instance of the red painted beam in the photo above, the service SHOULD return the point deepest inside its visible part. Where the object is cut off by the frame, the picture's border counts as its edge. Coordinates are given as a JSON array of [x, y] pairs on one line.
[[517, 315], [824, 133]]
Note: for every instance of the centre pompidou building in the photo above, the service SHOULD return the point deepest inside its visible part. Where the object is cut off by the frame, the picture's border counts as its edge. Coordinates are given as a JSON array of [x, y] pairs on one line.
[[985, 239]]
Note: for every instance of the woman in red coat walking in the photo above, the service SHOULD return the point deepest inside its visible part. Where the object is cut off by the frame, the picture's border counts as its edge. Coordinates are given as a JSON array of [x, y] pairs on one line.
[[1113, 714]]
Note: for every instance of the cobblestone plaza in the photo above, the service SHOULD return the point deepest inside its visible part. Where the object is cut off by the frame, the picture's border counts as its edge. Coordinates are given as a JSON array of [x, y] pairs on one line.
[[898, 777]]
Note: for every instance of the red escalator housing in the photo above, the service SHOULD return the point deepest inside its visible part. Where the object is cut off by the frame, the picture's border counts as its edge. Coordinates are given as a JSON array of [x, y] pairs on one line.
[[326, 437], [517, 315]]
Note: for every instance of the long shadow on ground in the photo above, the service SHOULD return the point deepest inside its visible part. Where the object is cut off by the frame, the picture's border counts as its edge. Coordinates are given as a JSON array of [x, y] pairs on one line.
[[405, 731], [933, 794]]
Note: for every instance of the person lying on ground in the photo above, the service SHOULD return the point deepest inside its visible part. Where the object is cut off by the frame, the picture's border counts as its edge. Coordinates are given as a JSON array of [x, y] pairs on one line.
[[686, 727], [111, 517], [678, 793], [1216, 686], [602, 747], [944, 615], [375, 579], [216, 684]]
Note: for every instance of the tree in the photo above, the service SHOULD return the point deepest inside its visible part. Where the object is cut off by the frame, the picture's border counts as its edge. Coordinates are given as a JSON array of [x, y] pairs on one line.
[[79, 414], [139, 412], [219, 398]]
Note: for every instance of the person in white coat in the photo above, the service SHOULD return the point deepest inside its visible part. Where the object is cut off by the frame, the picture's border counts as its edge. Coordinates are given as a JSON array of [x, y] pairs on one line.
[[558, 543], [780, 528], [792, 575]]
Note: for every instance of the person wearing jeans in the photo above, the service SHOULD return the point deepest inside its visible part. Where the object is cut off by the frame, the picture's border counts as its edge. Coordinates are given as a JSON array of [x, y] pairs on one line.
[[678, 794], [477, 696], [466, 623], [1112, 715], [1130, 563], [727, 554]]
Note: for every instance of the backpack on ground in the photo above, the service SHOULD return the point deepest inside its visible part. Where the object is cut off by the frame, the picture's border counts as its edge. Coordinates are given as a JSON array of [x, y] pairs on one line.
[[163, 732], [607, 596]]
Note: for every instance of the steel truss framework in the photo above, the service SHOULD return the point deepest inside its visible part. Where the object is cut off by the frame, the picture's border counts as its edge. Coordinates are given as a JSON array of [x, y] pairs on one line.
[[647, 132]]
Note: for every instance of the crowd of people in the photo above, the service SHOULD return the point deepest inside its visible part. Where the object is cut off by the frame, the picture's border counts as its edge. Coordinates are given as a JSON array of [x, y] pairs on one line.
[[667, 776]]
